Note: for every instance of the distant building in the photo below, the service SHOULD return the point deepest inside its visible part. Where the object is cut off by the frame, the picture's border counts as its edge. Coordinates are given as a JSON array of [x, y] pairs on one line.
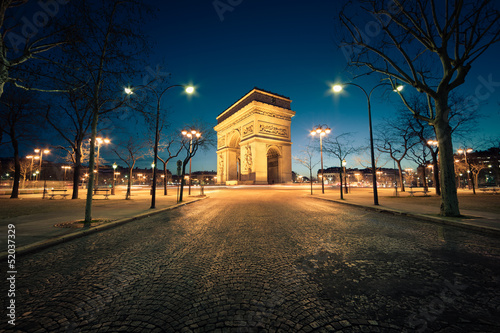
[[359, 177]]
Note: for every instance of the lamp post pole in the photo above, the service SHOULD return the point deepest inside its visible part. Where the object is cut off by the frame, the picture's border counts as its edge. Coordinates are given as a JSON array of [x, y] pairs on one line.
[[31, 166], [322, 130], [470, 175], [114, 178], [190, 152], [338, 88], [190, 134], [344, 163], [46, 151], [159, 95], [322, 169], [97, 165]]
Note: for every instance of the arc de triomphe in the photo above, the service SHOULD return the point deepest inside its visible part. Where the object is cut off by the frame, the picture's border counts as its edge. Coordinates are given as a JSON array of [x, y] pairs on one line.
[[253, 140]]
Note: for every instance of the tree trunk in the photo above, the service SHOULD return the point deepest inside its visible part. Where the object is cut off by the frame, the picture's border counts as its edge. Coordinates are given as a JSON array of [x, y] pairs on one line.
[[90, 189], [17, 166], [398, 163], [76, 173], [449, 198], [129, 184], [165, 179], [311, 180], [341, 190], [182, 180], [436, 172], [424, 180], [472, 179]]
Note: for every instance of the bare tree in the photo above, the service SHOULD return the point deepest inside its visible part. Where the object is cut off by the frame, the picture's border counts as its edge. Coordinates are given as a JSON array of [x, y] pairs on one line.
[[461, 120], [306, 159], [72, 120], [428, 45], [99, 60], [420, 155], [26, 42], [18, 119], [25, 165], [340, 146], [395, 139], [170, 151], [130, 152], [191, 147]]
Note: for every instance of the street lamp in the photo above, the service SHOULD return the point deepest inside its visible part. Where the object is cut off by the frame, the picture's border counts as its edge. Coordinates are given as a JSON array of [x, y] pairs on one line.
[[41, 152], [31, 166], [114, 178], [464, 151], [191, 134], [338, 88], [65, 167], [322, 130], [99, 142], [159, 95], [344, 163]]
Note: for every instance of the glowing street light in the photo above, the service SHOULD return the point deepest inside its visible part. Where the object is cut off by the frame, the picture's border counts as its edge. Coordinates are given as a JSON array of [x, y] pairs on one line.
[[466, 151], [40, 153], [65, 167], [31, 157], [114, 178], [99, 141], [344, 163], [337, 89], [191, 134], [159, 94], [322, 130]]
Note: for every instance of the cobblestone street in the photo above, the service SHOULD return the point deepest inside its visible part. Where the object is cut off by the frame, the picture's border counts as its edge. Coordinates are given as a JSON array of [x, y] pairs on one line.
[[264, 261]]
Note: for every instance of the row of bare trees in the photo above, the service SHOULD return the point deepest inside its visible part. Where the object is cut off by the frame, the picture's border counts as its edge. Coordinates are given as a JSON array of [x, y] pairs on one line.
[[64, 82], [430, 46]]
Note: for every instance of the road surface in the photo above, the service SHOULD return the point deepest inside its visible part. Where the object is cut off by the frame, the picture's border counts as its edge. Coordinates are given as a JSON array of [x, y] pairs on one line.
[[264, 261]]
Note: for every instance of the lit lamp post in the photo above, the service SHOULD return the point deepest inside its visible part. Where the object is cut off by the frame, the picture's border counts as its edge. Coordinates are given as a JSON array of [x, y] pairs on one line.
[[31, 166], [153, 179], [321, 130], [344, 163], [114, 178], [191, 134], [65, 167], [159, 95], [99, 142], [41, 152], [338, 88], [470, 175]]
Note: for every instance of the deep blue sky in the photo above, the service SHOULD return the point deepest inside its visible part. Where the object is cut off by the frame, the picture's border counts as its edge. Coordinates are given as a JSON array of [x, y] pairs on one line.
[[287, 47], [282, 46]]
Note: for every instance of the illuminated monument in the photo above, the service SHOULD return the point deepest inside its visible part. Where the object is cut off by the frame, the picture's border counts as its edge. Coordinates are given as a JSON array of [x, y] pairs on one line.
[[253, 140]]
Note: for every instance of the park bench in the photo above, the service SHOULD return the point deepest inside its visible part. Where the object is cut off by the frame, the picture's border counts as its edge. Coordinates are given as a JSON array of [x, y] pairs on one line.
[[495, 190], [62, 193], [102, 191], [412, 192]]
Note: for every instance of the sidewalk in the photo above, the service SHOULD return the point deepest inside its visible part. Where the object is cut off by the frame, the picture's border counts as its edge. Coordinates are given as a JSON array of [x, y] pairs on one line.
[[481, 212], [34, 218]]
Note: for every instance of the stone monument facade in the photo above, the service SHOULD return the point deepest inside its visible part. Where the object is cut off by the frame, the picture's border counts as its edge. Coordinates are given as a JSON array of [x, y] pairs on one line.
[[254, 141]]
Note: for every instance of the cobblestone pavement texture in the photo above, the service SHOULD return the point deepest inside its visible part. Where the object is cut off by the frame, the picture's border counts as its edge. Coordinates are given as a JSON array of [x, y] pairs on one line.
[[264, 261]]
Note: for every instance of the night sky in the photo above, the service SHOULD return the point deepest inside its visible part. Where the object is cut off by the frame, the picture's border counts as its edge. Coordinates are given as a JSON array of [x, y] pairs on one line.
[[287, 47]]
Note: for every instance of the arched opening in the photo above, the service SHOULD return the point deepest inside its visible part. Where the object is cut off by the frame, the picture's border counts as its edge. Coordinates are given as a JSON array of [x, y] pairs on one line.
[[234, 164], [273, 157]]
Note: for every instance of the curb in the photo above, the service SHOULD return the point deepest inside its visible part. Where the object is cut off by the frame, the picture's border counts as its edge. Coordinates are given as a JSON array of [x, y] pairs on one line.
[[26, 249], [427, 218]]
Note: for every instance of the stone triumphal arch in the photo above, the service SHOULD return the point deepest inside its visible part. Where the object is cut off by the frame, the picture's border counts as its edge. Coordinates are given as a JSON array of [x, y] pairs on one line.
[[253, 140]]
